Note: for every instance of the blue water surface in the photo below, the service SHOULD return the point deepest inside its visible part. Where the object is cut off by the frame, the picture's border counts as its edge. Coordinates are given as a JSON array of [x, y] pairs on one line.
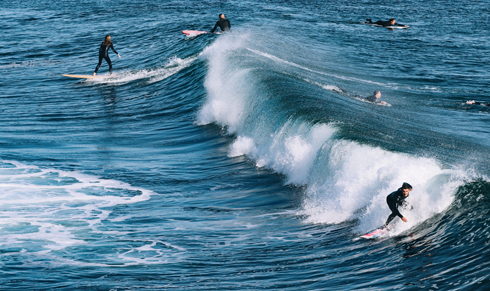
[[246, 160]]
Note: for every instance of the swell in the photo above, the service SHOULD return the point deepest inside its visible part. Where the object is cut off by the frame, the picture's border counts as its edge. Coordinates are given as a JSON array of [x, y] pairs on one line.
[[345, 174]]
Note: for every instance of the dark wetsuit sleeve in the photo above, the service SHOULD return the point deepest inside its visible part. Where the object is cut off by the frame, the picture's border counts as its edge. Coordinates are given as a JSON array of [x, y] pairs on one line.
[[229, 25], [215, 26], [398, 24], [112, 47], [480, 103]]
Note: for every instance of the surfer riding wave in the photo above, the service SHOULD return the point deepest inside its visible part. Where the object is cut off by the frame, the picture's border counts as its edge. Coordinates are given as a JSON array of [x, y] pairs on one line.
[[397, 199], [104, 53]]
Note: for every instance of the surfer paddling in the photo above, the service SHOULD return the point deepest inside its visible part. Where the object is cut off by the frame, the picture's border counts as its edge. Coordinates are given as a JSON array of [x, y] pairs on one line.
[[390, 22], [472, 102], [375, 98], [397, 199], [104, 53], [223, 23]]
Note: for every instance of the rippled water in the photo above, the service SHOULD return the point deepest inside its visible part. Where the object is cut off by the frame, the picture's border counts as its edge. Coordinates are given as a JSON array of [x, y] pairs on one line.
[[245, 160]]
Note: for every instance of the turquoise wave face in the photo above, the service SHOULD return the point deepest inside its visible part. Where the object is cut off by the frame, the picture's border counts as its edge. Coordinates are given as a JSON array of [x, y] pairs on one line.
[[245, 160]]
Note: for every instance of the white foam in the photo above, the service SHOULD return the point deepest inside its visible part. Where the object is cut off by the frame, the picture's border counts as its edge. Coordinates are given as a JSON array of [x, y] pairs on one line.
[[221, 107], [242, 146], [44, 204], [350, 176], [173, 66]]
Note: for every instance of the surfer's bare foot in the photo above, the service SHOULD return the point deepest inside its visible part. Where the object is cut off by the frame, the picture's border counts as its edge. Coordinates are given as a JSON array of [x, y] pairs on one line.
[[94, 74]]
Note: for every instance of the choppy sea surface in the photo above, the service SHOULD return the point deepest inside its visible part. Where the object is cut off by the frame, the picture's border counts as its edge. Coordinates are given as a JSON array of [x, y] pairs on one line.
[[246, 160]]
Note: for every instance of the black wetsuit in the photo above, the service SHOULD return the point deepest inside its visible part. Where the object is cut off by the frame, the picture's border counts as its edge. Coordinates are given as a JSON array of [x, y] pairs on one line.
[[372, 98], [479, 103], [384, 23], [224, 24], [104, 54], [395, 200]]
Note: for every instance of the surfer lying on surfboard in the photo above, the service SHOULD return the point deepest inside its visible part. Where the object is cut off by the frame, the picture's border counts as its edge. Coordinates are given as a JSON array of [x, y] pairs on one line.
[[104, 53], [223, 23], [390, 22], [472, 102], [397, 199], [374, 98]]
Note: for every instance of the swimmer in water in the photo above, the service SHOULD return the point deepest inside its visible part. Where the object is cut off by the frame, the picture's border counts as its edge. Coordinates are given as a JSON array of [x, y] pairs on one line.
[[374, 98], [390, 22], [104, 53], [223, 23]]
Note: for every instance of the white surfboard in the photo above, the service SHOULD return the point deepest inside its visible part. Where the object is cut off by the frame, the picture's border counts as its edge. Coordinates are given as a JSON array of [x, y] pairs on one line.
[[194, 32]]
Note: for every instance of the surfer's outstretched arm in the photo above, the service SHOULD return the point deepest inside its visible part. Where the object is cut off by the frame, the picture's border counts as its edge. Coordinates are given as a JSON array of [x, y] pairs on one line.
[[114, 50]]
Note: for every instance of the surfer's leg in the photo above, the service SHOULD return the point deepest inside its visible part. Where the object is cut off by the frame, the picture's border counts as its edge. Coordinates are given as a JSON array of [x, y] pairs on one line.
[[98, 66], [392, 207], [108, 60], [390, 218]]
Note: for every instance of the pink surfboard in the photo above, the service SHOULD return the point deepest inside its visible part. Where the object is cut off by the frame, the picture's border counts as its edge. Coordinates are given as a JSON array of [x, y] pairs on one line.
[[375, 233], [194, 32]]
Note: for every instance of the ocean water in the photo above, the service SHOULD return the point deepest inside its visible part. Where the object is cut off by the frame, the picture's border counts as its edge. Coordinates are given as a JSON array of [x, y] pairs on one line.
[[246, 160]]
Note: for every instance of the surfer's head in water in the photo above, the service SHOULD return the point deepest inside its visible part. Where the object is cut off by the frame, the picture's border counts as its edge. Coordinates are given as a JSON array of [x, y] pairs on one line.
[[377, 94], [392, 21], [222, 16]]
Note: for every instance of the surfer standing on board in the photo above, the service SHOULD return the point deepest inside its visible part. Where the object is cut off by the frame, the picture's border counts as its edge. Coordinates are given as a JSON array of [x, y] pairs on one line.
[[391, 22], [104, 53], [397, 199], [223, 23]]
